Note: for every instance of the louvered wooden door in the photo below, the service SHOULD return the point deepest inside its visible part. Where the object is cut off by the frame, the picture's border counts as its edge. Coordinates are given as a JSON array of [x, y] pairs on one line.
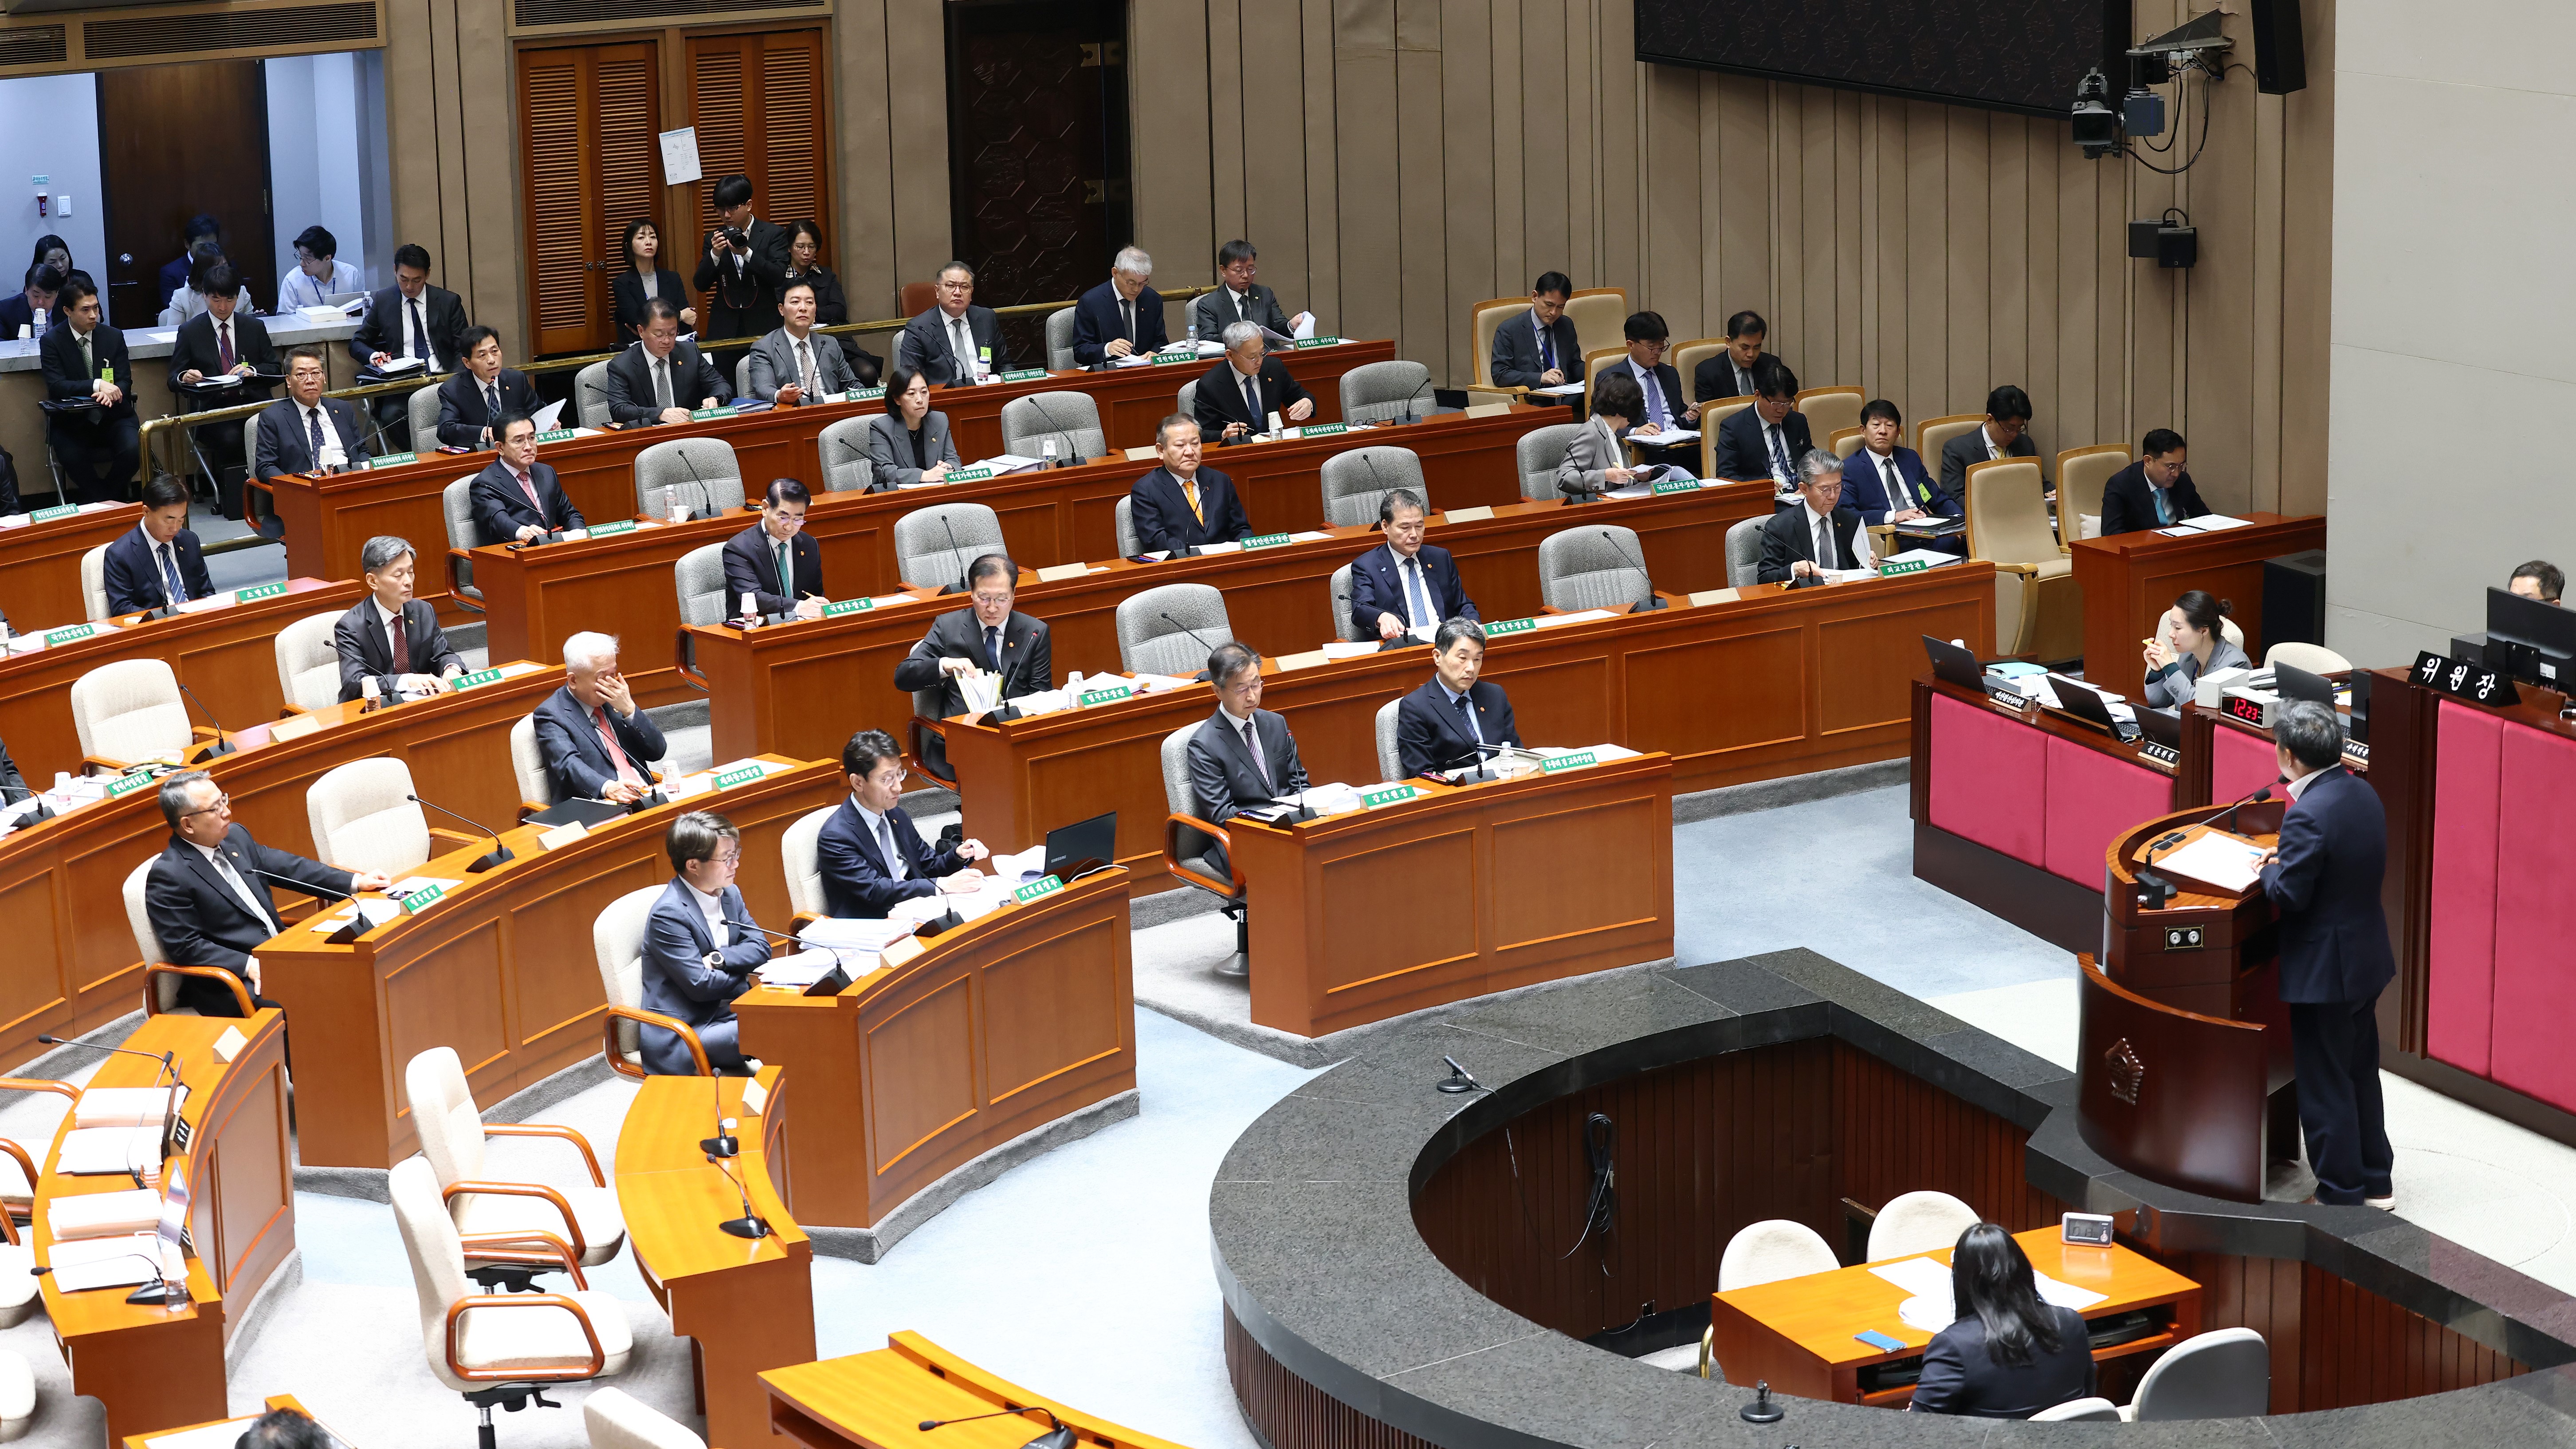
[[758, 103], [590, 164]]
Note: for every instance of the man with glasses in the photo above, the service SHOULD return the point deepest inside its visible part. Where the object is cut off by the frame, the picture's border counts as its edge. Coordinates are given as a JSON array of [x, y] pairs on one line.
[[775, 560], [2154, 492], [2004, 434], [955, 341], [1818, 536], [1242, 754], [869, 854], [1667, 411], [595, 742], [1767, 439], [207, 896], [1539, 348], [700, 948], [989, 636]]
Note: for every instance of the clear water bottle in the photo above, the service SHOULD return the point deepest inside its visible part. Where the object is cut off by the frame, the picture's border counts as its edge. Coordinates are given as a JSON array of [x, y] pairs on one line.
[[1194, 332]]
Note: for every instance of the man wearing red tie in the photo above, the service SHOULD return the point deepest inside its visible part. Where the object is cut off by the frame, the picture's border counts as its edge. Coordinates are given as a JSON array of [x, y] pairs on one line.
[[596, 744], [516, 498]]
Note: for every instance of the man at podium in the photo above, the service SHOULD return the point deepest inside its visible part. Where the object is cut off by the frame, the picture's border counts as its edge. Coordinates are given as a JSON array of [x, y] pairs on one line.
[[2324, 878]]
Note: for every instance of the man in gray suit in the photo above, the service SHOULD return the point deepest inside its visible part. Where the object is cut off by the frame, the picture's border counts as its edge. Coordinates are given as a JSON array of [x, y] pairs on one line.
[[946, 343], [1243, 755], [1238, 298], [2004, 434], [792, 366], [1538, 348]]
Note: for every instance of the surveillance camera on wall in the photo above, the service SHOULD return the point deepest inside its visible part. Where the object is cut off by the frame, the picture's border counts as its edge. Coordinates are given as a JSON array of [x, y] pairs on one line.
[[2097, 126]]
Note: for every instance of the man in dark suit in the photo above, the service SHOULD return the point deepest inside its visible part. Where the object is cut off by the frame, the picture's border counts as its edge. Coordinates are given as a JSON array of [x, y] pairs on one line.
[[1886, 483], [1800, 543], [219, 342], [100, 446], [2004, 434], [988, 635], [411, 319], [700, 948], [2152, 492], [202, 234], [1180, 504], [595, 743], [791, 366], [516, 498], [1237, 396], [304, 432], [1539, 348], [955, 340], [207, 896], [18, 313], [1442, 724], [1665, 411], [745, 277], [1122, 317], [1243, 755], [1405, 583], [390, 645], [1730, 373], [661, 378], [1767, 439], [2324, 878], [869, 855], [1238, 298], [481, 394], [775, 560], [157, 563]]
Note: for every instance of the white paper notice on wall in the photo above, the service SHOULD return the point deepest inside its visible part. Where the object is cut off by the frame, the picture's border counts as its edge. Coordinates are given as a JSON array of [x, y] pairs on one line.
[[680, 156]]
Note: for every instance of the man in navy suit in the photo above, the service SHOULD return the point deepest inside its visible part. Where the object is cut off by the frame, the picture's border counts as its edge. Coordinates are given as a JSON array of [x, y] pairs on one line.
[[305, 432], [1767, 439], [1666, 410], [1122, 317], [159, 563], [2154, 491], [207, 896], [20, 311], [1180, 504], [516, 498], [700, 948], [1440, 725], [1539, 348], [2323, 878], [595, 743], [1405, 583], [869, 854], [481, 393], [1241, 754], [1886, 483], [85, 359], [1730, 373], [775, 560], [1237, 396]]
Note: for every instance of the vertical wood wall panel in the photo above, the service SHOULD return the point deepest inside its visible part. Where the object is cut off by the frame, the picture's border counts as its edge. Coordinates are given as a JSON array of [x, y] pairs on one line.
[[1238, 147]]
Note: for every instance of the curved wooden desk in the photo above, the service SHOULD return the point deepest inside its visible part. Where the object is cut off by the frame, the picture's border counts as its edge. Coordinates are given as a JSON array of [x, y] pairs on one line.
[[150, 1438], [151, 1365], [2130, 579], [748, 1303], [40, 563], [878, 1400], [997, 1028]]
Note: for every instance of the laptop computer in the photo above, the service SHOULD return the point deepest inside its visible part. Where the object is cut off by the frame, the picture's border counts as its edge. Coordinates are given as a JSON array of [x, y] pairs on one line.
[[1076, 850], [2078, 699], [2291, 682], [1954, 664], [2161, 726]]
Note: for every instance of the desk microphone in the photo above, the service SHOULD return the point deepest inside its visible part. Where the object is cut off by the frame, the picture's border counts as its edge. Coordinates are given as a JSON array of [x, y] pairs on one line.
[[2155, 891], [346, 933], [169, 1066], [221, 746], [1202, 675], [706, 499], [750, 1224], [831, 982], [160, 1291], [1058, 1437], [1479, 753], [42, 811], [1578, 491], [869, 476], [1654, 600], [495, 856], [963, 585]]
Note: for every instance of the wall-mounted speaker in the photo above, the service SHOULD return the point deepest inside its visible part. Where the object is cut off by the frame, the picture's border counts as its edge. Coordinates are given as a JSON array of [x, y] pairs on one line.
[[2280, 52]]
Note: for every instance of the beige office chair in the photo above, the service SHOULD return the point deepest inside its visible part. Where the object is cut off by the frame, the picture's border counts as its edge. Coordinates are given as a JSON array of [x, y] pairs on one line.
[[1744, 551], [308, 664], [1932, 433], [1687, 356], [1388, 769], [130, 711], [2314, 658], [699, 579], [363, 818], [742, 374], [2223, 1374], [423, 407], [1919, 1222], [2039, 608], [17, 1166], [1188, 836], [456, 502], [1593, 362], [702, 473], [1847, 441], [1600, 316], [1538, 455], [1711, 417], [1579, 569], [617, 943], [93, 580], [799, 848], [590, 395], [1768, 1251], [452, 1137], [1488, 318], [1150, 643], [934, 546], [844, 448], [1068, 418], [2079, 1411], [528, 768], [1059, 344], [161, 977], [615, 1419], [17, 1376], [1377, 392], [1829, 410], [1356, 483], [2081, 472]]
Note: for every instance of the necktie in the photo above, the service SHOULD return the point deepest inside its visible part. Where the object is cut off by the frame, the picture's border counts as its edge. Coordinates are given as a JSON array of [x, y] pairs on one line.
[[89, 363], [1252, 743], [1418, 596], [993, 649], [241, 888], [313, 421], [401, 640], [1825, 556], [885, 842], [491, 404], [170, 575], [1252, 399], [2164, 504], [1895, 488], [224, 344], [616, 751], [419, 334], [1546, 349], [1779, 454], [1654, 398], [805, 368], [1190, 491], [530, 488], [786, 578], [963, 344], [1127, 313], [662, 382], [1467, 717]]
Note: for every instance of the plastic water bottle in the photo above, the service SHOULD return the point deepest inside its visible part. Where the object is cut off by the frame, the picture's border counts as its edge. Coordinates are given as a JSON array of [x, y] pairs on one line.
[[1194, 333], [1046, 451], [751, 608]]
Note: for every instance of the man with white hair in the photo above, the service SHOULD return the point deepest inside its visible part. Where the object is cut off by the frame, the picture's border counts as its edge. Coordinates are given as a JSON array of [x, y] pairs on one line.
[[1817, 536], [1122, 317], [1238, 395], [596, 744]]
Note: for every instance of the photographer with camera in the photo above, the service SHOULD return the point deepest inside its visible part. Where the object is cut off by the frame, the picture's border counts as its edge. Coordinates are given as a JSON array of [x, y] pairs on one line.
[[745, 261]]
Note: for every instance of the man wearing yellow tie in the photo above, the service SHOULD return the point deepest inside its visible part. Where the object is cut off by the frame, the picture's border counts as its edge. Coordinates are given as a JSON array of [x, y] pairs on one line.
[[1181, 505]]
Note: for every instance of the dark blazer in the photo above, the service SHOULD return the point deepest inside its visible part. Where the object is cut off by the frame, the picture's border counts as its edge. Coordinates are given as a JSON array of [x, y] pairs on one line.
[[855, 883], [173, 276], [1961, 1377], [627, 298], [501, 506], [923, 345], [2333, 850], [282, 444], [1969, 448], [890, 448], [1865, 488], [461, 414], [134, 581], [630, 383], [200, 922], [1221, 773], [1220, 397], [746, 296], [1785, 540], [366, 653], [2129, 501], [1377, 587], [576, 762], [13, 786], [1430, 734], [1516, 361], [1667, 380], [1714, 379], [15, 313], [751, 567], [388, 326], [194, 349], [1096, 323], [773, 365], [678, 982], [1161, 512], [1216, 311], [1742, 451], [65, 379], [1027, 664]]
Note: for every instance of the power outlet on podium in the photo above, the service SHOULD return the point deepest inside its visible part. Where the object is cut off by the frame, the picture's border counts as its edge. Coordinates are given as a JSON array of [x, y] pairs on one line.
[[2182, 938]]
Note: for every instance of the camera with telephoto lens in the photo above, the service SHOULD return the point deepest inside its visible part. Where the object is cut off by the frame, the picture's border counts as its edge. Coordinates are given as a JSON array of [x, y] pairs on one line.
[[734, 238]]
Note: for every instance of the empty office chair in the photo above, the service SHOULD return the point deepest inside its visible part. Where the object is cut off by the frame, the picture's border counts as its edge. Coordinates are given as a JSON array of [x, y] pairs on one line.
[[1357, 481], [161, 976], [1069, 419], [1387, 769], [917, 298], [1744, 551], [528, 768], [615, 1419], [130, 711], [2039, 609], [497, 1349], [1156, 629], [2225, 1374], [308, 663], [2314, 658], [452, 1133], [423, 404], [617, 942], [1685, 358], [742, 374], [702, 473], [1600, 316], [1488, 319], [1919, 1222], [590, 395], [456, 501], [1829, 410], [1189, 403], [933, 546], [1373, 392], [2228, 631], [1847, 441], [1932, 433], [93, 580], [700, 579], [2081, 474], [844, 447], [1124, 518], [1538, 454], [1188, 838], [804, 875], [1341, 594], [1594, 359], [363, 817], [2079, 1411], [1768, 1251], [17, 1167], [1059, 346], [1580, 569]]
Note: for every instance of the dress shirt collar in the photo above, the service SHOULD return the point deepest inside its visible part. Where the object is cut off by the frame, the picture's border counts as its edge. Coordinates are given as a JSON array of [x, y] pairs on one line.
[[1454, 696], [873, 818], [2299, 786], [1813, 517], [207, 851], [706, 903], [385, 617]]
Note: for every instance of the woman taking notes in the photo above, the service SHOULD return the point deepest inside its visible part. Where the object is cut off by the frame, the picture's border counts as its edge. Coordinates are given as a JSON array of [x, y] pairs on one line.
[[2189, 643], [2008, 1355]]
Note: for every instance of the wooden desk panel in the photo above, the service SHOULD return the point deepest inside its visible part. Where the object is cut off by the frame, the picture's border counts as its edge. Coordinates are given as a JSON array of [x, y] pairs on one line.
[[242, 1421], [2130, 579], [40, 585], [877, 1400]]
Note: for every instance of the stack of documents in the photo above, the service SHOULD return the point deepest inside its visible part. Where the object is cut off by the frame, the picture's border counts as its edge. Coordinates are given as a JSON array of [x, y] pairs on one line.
[[1550, 621], [1930, 1305], [111, 1151], [121, 1261], [123, 1106], [2221, 860], [807, 967], [2206, 523], [1563, 389], [1009, 463], [104, 1214]]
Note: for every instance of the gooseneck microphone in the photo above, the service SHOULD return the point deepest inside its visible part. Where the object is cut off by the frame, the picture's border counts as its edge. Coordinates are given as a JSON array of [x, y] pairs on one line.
[[495, 856], [346, 933], [964, 564], [1057, 1437], [221, 746], [1202, 675], [168, 1063], [1654, 600], [718, 1148], [2154, 890], [42, 811], [706, 499]]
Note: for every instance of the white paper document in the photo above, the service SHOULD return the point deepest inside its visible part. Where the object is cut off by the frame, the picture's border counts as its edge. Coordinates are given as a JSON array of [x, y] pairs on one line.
[[1929, 1279], [121, 1261], [1002, 463], [807, 967], [396, 366], [1349, 648], [104, 1214], [854, 933], [1550, 621], [101, 1151], [1027, 865], [2218, 859], [548, 415], [1666, 439], [2214, 522], [121, 1107], [1562, 389]]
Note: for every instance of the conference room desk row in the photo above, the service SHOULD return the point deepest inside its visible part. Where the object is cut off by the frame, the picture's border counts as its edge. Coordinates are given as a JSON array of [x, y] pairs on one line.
[[329, 518], [40, 584], [623, 583], [2129, 580], [879, 1399], [801, 688]]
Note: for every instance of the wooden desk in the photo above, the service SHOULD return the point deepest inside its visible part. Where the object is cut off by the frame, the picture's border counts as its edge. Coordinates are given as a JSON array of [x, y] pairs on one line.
[[747, 1303], [329, 519], [1797, 1332], [998, 1028], [501, 969], [146, 1439], [537, 598], [227, 655], [2130, 579], [1778, 682], [877, 1401], [801, 688], [1458, 894], [40, 585], [74, 967], [151, 1365]]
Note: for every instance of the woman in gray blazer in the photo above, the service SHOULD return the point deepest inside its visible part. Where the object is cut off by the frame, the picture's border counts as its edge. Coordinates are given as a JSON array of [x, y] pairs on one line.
[[908, 443], [2190, 642], [1596, 460]]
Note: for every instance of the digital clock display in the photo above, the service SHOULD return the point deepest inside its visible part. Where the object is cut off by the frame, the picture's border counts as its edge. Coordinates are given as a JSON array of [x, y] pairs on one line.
[[2248, 710]]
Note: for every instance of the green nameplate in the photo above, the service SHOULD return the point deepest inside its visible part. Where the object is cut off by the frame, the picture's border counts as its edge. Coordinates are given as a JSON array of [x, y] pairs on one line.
[[1306, 342], [48, 515], [393, 460], [1323, 430], [1043, 886], [1910, 566], [1111, 695], [747, 775], [66, 636], [1265, 540], [1166, 359], [970, 475], [555, 435], [1677, 485], [864, 394], [1510, 626], [424, 898], [128, 784], [700, 415], [479, 676], [1025, 374], [838, 607], [1387, 795], [611, 530], [1554, 763], [253, 596]]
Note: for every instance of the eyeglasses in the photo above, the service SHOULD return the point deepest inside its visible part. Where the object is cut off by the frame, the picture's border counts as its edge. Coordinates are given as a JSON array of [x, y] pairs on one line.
[[733, 859], [220, 802], [995, 600]]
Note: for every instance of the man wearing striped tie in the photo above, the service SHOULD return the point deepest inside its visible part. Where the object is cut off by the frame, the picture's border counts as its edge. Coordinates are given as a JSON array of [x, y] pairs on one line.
[[596, 744], [1181, 505]]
